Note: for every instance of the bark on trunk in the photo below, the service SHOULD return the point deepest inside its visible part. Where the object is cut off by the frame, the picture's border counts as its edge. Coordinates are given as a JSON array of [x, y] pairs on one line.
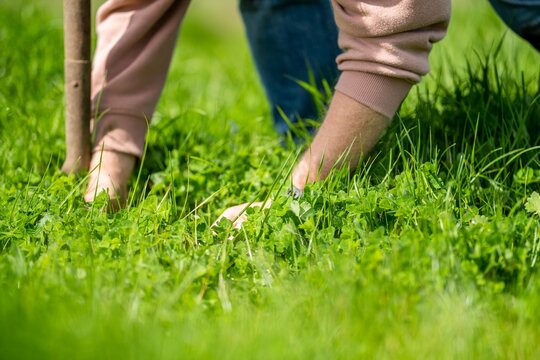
[[77, 37]]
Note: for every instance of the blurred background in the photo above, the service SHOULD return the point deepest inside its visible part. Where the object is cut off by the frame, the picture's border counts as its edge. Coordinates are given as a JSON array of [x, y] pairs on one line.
[[222, 18], [212, 60]]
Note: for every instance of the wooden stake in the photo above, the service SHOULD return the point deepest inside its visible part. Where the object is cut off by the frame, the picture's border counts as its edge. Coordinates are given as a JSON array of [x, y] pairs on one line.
[[77, 70]]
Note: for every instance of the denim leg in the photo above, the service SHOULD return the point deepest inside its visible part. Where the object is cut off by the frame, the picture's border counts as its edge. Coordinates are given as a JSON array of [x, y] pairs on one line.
[[523, 16], [288, 38]]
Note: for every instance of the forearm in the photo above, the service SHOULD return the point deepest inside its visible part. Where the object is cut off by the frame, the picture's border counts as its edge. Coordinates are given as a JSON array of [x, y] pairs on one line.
[[386, 47], [349, 131]]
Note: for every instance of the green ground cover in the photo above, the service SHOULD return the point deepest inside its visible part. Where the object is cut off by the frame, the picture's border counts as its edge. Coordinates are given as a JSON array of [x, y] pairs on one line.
[[429, 251]]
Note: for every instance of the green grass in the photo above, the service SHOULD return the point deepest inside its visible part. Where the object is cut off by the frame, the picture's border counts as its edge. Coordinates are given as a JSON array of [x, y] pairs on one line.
[[429, 251]]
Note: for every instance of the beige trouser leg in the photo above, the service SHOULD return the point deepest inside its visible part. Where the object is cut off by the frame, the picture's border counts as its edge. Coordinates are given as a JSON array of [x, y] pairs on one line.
[[136, 39]]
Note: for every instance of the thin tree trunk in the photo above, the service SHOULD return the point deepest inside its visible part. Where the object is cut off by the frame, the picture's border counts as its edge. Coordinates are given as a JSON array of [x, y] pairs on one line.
[[77, 37]]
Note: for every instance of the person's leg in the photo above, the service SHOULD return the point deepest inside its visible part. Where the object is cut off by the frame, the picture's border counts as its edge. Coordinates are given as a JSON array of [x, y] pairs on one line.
[[522, 16], [136, 40], [288, 39]]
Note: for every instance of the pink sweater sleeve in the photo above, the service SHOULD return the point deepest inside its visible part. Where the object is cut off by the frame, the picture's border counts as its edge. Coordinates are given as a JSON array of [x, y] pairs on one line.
[[135, 45], [386, 44]]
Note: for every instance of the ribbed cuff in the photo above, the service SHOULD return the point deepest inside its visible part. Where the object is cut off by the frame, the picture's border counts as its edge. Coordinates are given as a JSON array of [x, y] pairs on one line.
[[381, 93], [120, 132]]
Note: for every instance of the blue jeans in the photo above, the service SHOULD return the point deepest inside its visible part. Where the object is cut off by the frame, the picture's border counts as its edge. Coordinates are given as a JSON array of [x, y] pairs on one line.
[[288, 40], [523, 16]]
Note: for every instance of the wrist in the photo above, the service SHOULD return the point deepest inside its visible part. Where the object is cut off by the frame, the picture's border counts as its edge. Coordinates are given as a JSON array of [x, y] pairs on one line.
[[349, 131]]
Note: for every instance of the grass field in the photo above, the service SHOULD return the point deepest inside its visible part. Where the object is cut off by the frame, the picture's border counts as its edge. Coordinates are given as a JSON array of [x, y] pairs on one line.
[[429, 251]]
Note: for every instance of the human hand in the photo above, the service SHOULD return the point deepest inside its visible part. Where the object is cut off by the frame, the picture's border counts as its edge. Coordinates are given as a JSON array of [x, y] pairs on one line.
[[110, 172], [237, 214]]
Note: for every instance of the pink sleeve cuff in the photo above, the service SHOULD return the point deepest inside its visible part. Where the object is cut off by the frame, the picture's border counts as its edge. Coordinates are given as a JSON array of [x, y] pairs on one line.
[[380, 93], [120, 131]]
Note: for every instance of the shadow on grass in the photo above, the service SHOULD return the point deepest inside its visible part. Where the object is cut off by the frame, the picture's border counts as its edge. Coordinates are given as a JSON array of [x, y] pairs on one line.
[[485, 124]]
